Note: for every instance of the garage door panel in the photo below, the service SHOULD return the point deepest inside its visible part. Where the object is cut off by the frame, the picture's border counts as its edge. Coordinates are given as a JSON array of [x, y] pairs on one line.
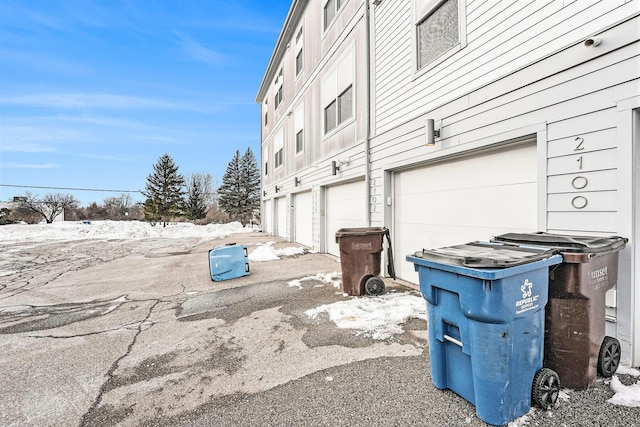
[[267, 224], [471, 198], [479, 207], [281, 217], [345, 208], [303, 221]]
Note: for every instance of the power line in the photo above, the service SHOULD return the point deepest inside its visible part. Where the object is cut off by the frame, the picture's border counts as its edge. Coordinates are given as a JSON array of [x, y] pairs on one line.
[[69, 188]]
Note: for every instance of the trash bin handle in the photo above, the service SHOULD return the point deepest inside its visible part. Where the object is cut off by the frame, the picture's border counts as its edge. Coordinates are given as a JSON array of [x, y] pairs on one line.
[[452, 340], [391, 269]]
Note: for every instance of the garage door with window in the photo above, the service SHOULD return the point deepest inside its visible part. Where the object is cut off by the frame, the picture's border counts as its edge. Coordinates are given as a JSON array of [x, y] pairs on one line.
[[345, 208], [469, 198]]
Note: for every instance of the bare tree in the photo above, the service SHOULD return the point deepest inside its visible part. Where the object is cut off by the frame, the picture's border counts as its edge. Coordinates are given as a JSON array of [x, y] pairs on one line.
[[118, 207], [50, 206]]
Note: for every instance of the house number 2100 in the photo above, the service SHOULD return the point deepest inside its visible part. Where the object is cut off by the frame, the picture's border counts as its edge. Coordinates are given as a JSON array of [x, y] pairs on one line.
[[579, 182]]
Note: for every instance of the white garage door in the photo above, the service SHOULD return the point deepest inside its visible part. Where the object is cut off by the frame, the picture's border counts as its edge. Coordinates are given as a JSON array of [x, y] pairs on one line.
[[458, 201], [303, 218], [267, 215], [281, 217], [345, 208]]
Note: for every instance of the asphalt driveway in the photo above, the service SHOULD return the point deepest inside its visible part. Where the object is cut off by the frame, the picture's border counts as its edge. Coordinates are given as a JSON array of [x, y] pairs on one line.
[[134, 333]]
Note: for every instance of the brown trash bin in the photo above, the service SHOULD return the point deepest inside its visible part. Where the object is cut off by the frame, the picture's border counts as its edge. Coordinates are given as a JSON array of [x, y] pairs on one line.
[[575, 343], [360, 257]]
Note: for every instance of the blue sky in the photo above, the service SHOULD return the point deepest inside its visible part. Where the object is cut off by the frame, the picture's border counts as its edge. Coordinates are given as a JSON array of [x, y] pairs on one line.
[[93, 92]]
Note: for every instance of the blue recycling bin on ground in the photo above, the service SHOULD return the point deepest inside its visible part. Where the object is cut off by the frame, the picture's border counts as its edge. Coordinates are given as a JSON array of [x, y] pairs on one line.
[[485, 306], [228, 262]]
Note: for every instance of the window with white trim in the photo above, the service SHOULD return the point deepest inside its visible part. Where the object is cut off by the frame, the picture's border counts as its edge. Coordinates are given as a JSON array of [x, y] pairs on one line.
[[265, 108], [438, 29], [298, 121], [278, 91], [337, 94], [266, 161], [330, 11], [278, 148], [299, 51]]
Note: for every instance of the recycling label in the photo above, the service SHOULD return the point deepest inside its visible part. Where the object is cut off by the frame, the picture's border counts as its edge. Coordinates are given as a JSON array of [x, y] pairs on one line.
[[529, 301]]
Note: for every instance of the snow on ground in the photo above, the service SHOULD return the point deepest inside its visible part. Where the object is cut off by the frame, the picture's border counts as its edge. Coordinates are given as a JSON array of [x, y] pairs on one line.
[[376, 316], [625, 395], [266, 252], [77, 230]]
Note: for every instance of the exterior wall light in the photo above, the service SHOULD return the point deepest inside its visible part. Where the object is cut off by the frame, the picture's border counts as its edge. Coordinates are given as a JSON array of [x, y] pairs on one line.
[[431, 132]]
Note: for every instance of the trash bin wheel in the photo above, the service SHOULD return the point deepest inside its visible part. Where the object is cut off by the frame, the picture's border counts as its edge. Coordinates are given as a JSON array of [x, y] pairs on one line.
[[374, 286], [609, 357], [546, 387]]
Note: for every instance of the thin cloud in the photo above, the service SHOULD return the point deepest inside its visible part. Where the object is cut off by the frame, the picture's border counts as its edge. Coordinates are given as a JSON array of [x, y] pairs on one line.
[[89, 100], [11, 165], [199, 52]]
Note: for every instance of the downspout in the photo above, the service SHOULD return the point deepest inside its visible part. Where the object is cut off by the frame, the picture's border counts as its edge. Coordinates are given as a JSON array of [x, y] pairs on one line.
[[367, 141]]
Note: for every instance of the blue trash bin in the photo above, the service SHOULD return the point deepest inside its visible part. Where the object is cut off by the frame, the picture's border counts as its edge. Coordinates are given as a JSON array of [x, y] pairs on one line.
[[485, 306], [228, 262]]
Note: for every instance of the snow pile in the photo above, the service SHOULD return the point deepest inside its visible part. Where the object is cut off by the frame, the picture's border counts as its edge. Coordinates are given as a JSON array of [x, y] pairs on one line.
[[127, 230], [266, 252], [334, 279], [625, 395], [377, 317]]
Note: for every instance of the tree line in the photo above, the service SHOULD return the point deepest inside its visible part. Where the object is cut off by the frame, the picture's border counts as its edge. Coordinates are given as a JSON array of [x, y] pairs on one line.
[[169, 196]]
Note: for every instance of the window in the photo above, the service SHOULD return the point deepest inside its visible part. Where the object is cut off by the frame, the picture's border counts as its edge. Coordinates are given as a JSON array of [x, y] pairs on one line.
[[331, 9], [266, 113], [299, 59], [278, 147], [278, 97], [298, 122], [330, 119], [278, 83], [337, 93], [266, 162], [299, 50], [299, 141], [345, 105], [437, 30]]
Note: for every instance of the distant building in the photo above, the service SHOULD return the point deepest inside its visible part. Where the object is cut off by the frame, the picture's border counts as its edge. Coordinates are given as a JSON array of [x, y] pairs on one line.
[[451, 121]]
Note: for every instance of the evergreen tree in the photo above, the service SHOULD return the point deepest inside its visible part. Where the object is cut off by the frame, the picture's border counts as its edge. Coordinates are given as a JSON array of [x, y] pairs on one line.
[[230, 198], [164, 191], [239, 194], [199, 194], [250, 184]]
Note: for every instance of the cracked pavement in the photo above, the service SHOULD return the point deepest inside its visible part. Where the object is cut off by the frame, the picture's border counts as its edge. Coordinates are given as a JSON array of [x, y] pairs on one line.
[[134, 333], [97, 333]]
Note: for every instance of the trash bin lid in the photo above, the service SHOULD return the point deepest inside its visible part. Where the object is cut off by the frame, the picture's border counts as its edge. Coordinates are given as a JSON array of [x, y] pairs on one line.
[[360, 231], [565, 243], [486, 255]]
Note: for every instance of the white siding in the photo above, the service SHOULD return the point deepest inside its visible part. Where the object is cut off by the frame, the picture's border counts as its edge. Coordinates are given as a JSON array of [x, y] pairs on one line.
[[502, 37]]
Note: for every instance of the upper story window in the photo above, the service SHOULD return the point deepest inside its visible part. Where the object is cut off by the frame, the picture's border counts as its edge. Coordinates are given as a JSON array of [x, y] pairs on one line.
[[266, 161], [265, 107], [278, 84], [298, 121], [330, 10], [278, 147], [337, 94], [299, 51], [438, 29]]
